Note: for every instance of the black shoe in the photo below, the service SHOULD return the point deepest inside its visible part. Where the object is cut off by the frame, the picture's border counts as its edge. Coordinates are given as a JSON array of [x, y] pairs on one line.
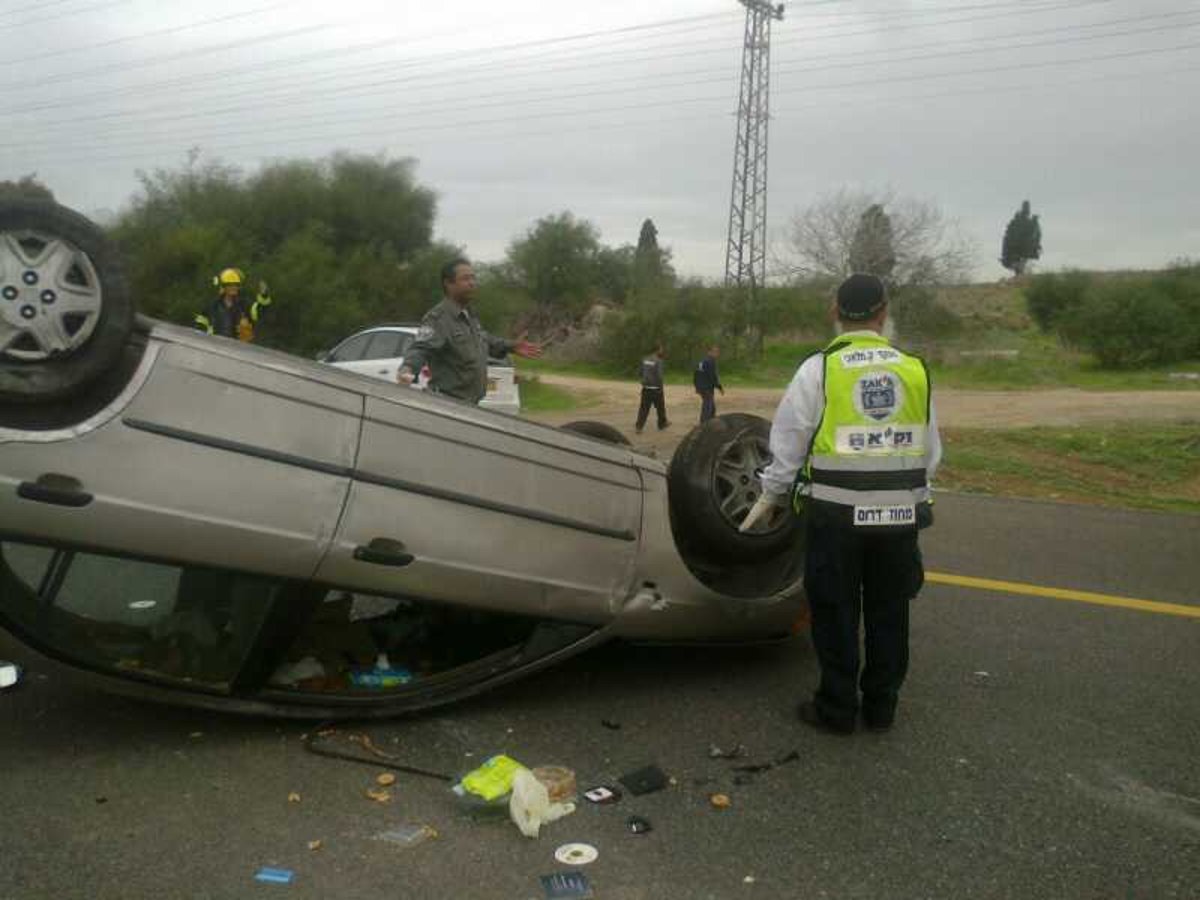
[[810, 715], [664, 425]]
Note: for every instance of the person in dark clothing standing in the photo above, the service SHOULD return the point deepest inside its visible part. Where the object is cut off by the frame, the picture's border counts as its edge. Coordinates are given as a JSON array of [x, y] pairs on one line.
[[229, 314], [452, 342], [707, 381], [653, 393], [855, 440]]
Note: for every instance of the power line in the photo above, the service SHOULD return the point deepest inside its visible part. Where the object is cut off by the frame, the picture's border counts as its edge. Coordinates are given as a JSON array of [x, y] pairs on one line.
[[998, 10], [931, 76], [126, 121], [578, 62], [45, 3], [63, 15], [689, 100], [174, 29], [584, 55], [423, 131], [798, 17], [174, 57]]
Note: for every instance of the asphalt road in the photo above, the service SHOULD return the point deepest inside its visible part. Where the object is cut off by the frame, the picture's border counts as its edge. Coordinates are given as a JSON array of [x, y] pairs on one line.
[[1046, 749]]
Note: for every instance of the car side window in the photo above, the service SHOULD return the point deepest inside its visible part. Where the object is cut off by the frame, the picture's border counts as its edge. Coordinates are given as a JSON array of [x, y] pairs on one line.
[[384, 345], [175, 623], [351, 350]]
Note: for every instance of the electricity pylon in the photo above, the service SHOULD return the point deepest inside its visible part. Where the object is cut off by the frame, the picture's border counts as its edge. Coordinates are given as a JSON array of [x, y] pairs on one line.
[[746, 251]]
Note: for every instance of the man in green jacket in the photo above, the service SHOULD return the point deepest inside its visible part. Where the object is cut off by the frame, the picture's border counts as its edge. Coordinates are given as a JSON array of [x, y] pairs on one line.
[[454, 344]]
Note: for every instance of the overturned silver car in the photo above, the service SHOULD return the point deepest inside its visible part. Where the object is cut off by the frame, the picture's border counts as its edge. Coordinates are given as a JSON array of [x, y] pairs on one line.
[[196, 520]]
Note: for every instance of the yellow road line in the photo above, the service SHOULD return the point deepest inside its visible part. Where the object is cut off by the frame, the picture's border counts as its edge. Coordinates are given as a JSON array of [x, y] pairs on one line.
[[1033, 590]]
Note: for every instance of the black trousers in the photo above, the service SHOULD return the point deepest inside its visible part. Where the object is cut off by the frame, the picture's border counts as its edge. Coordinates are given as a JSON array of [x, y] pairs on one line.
[[652, 397], [851, 572]]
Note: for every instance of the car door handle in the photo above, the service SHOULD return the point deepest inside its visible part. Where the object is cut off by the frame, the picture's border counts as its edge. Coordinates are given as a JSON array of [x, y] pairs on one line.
[[384, 552], [57, 490]]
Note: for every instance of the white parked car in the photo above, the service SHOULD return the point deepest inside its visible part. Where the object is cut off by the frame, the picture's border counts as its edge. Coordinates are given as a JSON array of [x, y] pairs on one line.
[[379, 353]]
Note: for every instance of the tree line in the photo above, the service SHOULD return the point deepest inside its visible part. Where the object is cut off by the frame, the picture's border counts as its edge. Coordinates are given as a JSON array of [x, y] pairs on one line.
[[347, 242]]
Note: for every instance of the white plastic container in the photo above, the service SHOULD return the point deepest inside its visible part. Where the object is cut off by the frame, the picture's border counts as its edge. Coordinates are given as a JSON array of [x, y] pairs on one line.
[[9, 674]]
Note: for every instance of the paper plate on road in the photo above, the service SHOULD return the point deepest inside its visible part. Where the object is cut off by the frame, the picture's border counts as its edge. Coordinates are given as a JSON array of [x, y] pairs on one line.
[[576, 854]]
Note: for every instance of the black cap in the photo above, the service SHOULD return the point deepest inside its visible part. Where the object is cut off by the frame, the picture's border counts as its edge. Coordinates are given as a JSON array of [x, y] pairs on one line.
[[860, 297]]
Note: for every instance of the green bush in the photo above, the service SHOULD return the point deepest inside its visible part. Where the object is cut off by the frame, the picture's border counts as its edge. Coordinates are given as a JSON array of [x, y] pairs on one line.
[[918, 314], [1128, 324], [689, 318], [1053, 297], [344, 242]]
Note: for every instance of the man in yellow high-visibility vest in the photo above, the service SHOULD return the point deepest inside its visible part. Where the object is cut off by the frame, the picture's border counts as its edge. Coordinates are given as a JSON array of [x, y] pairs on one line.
[[855, 444]]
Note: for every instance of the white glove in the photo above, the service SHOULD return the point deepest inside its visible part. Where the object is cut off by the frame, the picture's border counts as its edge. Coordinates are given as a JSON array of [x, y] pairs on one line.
[[763, 507]]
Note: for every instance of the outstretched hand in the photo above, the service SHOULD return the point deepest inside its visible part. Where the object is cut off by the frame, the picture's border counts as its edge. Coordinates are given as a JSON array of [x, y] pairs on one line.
[[527, 349]]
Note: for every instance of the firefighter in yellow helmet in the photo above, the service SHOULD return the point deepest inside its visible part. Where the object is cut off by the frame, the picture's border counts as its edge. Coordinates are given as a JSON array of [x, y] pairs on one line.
[[229, 315]]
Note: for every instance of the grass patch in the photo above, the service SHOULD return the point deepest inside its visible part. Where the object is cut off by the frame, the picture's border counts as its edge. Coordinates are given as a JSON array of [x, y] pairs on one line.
[[1131, 466], [537, 396]]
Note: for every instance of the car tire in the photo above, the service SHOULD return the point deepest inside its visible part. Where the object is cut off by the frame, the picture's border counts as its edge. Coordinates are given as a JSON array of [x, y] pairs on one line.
[[65, 306], [601, 431], [713, 482]]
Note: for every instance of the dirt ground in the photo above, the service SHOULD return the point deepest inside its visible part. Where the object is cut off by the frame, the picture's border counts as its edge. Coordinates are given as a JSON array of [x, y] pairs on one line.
[[616, 403]]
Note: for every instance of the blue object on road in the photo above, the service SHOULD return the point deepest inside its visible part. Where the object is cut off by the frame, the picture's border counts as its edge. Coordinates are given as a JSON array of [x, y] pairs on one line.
[[275, 876], [380, 678], [562, 885]]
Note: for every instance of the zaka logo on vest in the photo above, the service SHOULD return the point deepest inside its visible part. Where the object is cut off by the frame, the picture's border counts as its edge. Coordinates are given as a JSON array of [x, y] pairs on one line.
[[875, 440], [878, 395]]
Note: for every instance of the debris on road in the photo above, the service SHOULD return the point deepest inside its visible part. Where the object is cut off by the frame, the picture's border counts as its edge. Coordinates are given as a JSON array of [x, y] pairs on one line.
[[602, 794], [293, 797], [10, 674], [292, 674], [758, 768], [315, 743], [380, 795], [720, 801], [576, 854], [492, 780], [315, 845], [638, 825], [275, 876], [610, 724], [530, 807], [567, 886], [559, 782], [406, 836], [645, 780], [387, 779], [737, 751]]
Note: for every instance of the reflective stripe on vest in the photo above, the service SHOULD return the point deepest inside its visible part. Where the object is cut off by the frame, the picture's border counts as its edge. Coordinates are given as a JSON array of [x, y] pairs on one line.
[[871, 446]]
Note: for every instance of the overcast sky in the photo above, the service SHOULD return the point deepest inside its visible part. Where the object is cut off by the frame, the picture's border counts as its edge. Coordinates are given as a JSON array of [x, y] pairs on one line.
[[621, 110]]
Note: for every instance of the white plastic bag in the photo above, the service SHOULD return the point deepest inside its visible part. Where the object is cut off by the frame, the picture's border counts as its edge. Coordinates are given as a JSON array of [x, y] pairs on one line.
[[530, 806]]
